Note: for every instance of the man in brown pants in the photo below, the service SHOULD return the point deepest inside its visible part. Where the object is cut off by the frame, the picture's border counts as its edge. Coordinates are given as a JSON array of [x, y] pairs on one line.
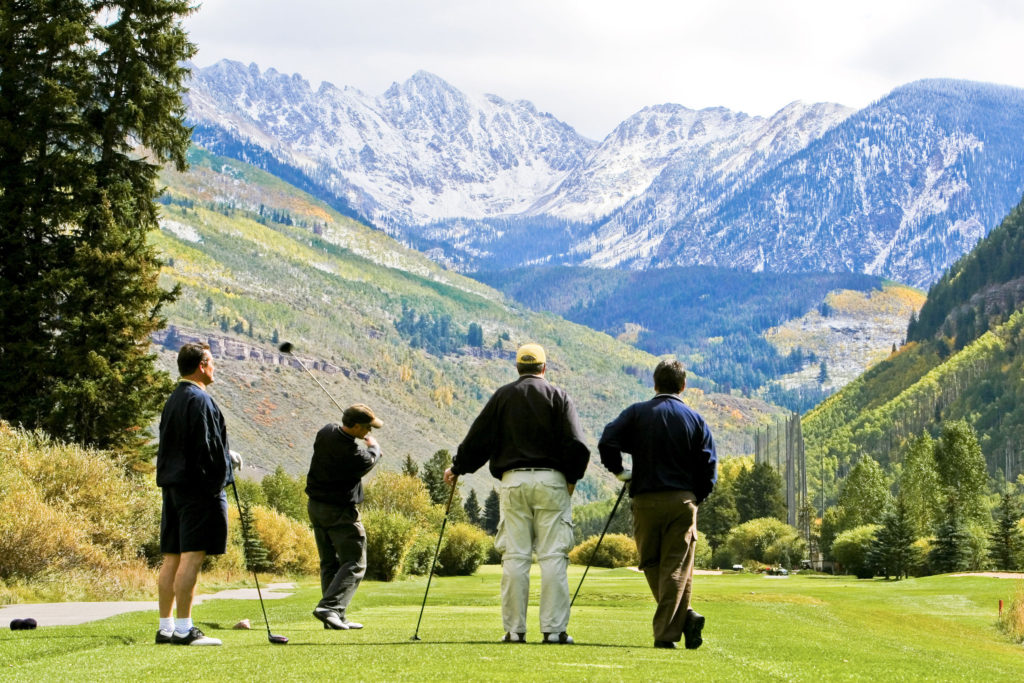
[[674, 470]]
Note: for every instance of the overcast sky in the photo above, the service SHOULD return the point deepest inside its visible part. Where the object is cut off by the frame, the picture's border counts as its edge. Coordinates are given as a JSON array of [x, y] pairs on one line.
[[593, 63]]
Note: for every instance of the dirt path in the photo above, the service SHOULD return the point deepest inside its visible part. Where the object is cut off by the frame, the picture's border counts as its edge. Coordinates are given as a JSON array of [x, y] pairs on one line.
[[993, 575], [70, 613]]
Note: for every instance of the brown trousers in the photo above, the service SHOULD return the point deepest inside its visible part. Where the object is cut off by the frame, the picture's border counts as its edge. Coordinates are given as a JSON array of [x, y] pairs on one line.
[[665, 529]]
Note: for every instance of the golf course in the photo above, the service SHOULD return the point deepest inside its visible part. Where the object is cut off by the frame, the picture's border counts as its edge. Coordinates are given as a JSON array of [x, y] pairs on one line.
[[801, 627]]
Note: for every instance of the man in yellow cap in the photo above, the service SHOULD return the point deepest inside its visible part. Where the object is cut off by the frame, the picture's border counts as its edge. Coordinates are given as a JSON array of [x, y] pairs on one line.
[[530, 433], [335, 487]]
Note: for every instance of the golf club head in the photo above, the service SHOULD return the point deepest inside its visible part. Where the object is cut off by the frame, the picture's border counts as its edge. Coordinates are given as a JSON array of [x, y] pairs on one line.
[[277, 640], [414, 637], [286, 347]]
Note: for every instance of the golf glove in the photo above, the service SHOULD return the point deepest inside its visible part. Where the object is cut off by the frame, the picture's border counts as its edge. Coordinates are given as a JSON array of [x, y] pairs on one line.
[[236, 459], [625, 475]]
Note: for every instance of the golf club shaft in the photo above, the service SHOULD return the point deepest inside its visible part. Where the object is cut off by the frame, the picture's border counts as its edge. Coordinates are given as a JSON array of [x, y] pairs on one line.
[[437, 551], [594, 554], [245, 540], [303, 366]]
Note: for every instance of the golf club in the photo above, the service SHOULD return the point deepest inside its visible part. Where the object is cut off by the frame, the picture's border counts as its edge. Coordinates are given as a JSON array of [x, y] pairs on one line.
[[594, 554], [287, 347], [276, 640], [444, 522]]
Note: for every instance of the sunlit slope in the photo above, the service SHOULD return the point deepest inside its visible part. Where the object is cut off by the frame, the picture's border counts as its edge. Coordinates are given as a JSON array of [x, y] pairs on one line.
[[259, 262]]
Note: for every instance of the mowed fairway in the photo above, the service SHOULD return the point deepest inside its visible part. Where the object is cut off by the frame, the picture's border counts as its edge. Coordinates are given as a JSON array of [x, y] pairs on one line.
[[804, 628]]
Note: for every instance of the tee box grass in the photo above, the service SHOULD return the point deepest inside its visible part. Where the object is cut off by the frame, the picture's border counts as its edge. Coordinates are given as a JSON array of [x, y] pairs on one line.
[[801, 627]]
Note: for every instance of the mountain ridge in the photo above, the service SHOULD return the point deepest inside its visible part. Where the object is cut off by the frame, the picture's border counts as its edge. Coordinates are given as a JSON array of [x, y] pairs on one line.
[[898, 189]]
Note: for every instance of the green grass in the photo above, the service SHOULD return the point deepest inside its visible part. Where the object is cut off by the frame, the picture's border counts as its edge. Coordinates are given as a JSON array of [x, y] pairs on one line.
[[802, 628]]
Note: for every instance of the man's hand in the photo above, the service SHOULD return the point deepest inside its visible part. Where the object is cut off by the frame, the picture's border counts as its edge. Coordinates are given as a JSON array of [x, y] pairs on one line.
[[370, 441], [449, 478], [625, 475], [236, 459]]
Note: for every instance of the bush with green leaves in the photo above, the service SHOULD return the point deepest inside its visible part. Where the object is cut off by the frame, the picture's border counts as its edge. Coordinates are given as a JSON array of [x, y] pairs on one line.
[[462, 550], [286, 494], [398, 493], [420, 555], [852, 549], [389, 537], [616, 550], [765, 539], [702, 555]]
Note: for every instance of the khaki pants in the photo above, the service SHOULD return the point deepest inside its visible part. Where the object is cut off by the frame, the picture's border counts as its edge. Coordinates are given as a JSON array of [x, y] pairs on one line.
[[665, 529], [536, 516]]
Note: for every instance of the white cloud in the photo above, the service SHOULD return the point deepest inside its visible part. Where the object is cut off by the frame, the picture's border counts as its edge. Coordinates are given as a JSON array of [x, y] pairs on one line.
[[592, 63]]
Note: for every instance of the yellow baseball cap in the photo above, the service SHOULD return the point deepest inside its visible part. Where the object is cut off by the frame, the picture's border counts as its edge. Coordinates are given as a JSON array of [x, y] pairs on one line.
[[531, 353]]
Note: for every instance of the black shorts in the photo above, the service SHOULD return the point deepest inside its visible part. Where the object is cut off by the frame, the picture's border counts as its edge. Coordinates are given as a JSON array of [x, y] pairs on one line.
[[192, 522]]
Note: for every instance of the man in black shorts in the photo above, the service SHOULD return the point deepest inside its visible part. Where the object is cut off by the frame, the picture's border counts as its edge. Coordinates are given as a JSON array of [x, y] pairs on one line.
[[193, 465]]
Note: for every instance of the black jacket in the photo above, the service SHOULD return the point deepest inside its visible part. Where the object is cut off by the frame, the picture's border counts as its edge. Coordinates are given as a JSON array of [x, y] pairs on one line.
[[670, 443], [527, 423], [193, 451], [338, 466]]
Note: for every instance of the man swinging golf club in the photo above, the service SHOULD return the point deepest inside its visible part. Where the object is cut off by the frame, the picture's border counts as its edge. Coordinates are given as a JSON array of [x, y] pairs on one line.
[[674, 470], [193, 465], [335, 487], [530, 433]]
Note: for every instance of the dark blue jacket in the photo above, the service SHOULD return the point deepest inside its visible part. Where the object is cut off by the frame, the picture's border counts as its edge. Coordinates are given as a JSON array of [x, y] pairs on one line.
[[193, 451], [670, 443]]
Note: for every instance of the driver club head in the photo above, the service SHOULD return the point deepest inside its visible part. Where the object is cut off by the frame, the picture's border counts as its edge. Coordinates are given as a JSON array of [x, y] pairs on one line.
[[277, 640], [286, 347], [415, 637]]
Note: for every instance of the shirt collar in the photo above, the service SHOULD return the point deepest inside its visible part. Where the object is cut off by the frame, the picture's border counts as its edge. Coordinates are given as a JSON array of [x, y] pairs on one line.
[[675, 396], [192, 381]]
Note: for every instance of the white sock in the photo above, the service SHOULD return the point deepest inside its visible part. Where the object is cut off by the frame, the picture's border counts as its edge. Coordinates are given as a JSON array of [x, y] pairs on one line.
[[166, 623], [183, 625]]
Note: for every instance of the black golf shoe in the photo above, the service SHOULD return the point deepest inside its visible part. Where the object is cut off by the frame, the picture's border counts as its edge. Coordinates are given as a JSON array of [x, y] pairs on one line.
[[164, 637], [692, 627], [562, 638], [193, 637], [514, 638], [665, 644]]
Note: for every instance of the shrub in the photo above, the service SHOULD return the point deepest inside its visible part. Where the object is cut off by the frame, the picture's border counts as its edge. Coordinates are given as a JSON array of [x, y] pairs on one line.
[[702, 558], [421, 554], [462, 550], [393, 492], [291, 548], [389, 537], [852, 547], [765, 539], [617, 550], [76, 509], [1011, 621], [491, 556]]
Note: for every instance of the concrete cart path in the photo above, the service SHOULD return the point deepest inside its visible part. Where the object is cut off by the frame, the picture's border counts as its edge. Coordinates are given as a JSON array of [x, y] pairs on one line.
[[70, 613]]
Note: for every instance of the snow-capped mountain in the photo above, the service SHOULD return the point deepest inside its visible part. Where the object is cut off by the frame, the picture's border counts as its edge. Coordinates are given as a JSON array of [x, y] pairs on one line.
[[420, 152], [900, 189]]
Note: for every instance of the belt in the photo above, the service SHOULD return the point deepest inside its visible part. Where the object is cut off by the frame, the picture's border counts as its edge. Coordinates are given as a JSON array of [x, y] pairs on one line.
[[532, 469]]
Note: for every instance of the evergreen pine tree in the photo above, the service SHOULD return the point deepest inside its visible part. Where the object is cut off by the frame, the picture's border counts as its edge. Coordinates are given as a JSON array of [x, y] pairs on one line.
[[472, 507], [1007, 549], [93, 91], [758, 493], [410, 468], [951, 551], [892, 550], [492, 512], [256, 557], [433, 477]]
